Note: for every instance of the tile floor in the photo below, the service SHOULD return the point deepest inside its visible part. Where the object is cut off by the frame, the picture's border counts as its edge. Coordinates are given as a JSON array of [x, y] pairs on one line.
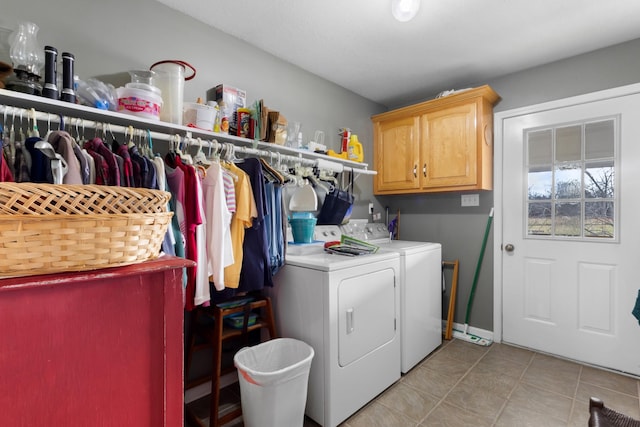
[[462, 384]]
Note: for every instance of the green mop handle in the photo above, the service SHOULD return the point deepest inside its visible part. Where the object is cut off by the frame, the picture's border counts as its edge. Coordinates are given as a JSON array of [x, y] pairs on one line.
[[477, 273]]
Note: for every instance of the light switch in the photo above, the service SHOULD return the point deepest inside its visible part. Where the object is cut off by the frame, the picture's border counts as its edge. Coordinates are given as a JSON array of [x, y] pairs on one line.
[[470, 200]]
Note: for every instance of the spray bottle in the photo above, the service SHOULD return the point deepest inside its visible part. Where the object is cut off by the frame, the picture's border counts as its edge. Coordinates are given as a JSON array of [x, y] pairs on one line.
[[345, 134]]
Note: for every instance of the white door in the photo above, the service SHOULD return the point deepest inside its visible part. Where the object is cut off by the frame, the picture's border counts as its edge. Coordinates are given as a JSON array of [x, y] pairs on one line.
[[571, 229]]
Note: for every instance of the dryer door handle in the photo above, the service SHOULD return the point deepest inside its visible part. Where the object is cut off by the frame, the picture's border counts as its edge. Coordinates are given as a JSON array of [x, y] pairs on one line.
[[349, 320]]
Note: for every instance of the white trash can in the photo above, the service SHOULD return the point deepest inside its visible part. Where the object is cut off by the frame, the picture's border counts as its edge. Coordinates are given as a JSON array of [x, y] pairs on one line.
[[273, 380]]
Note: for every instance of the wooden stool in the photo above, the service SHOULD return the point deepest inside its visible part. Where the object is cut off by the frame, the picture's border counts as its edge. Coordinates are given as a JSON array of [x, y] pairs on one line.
[[214, 335]]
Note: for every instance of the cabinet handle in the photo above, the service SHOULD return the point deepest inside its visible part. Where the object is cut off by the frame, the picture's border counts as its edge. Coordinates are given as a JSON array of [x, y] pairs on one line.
[[424, 170], [415, 171], [488, 134]]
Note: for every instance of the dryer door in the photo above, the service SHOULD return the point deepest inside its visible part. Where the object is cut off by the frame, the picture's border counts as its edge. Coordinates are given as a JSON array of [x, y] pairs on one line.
[[366, 314]]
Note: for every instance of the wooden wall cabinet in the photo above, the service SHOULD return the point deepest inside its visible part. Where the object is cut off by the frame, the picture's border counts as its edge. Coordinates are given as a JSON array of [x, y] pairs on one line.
[[445, 144], [96, 348]]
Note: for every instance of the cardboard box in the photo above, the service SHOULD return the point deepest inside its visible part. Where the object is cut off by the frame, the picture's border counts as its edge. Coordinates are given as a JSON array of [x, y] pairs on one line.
[[233, 99], [277, 128]]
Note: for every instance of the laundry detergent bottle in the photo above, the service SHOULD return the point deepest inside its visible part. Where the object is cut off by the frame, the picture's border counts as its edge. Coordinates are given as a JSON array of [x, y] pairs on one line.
[[355, 149]]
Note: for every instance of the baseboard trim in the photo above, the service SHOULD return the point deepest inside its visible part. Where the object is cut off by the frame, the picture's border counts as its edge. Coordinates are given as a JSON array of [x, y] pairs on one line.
[[482, 333]]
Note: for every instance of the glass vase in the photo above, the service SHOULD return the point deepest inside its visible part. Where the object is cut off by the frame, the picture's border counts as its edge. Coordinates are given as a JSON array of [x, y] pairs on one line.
[[26, 53]]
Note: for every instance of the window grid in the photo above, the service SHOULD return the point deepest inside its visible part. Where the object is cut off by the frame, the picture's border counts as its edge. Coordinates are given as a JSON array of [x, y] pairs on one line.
[[571, 198]]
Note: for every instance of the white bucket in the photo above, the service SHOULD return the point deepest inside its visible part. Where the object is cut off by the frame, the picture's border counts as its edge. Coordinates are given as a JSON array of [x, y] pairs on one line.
[[170, 80], [139, 102], [199, 115]]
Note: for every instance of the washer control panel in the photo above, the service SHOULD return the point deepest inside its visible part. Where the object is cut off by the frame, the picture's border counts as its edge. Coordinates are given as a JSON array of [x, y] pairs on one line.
[[377, 230], [363, 230], [327, 233]]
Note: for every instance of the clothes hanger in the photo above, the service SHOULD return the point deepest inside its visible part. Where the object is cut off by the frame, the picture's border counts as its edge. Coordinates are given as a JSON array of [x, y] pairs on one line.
[[131, 132], [316, 183], [99, 128], [184, 156], [33, 130], [274, 174], [267, 173], [200, 158], [326, 175], [4, 121], [21, 134], [225, 163], [284, 171], [216, 147], [79, 136], [108, 127], [148, 147], [12, 139], [231, 154], [170, 158], [176, 146]]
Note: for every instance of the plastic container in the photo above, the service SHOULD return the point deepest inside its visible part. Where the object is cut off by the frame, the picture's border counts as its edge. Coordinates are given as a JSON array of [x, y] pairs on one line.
[[170, 78], [236, 321], [302, 229], [199, 115], [273, 378], [143, 76], [244, 119], [354, 149], [302, 215], [139, 102]]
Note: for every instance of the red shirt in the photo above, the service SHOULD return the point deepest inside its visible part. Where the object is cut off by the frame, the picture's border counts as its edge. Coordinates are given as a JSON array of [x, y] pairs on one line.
[[192, 219]]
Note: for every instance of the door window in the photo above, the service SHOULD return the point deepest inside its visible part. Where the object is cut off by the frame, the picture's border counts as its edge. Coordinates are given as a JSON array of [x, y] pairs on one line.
[[571, 180]]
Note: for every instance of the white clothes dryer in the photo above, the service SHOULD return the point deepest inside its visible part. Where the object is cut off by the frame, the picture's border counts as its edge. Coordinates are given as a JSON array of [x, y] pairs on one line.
[[420, 283], [346, 308]]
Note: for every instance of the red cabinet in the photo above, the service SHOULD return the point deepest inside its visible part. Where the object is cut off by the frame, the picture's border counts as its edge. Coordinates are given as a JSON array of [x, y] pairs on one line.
[[100, 348]]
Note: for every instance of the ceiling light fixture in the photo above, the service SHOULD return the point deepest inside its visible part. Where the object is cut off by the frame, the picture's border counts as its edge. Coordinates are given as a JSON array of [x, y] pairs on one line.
[[404, 10]]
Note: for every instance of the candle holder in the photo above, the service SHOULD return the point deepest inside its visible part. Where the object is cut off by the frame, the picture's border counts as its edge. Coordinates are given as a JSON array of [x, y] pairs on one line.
[[27, 58]]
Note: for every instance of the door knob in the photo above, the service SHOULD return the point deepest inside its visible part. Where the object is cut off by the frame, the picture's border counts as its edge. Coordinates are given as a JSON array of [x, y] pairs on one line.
[[509, 247]]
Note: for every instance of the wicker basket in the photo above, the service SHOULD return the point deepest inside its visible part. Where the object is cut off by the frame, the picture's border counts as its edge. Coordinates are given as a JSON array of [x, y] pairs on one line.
[[46, 228]]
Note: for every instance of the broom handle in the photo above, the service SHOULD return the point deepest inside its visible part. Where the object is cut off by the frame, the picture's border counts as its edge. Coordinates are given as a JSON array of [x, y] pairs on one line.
[[477, 273]]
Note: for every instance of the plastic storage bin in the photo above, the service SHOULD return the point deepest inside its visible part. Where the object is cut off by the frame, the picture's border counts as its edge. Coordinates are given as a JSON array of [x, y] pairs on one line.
[[199, 115], [140, 102], [302, 229], [237, 320], [273, 382]]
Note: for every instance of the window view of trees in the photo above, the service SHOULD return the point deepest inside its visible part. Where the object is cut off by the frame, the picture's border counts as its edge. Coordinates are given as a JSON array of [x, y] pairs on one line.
[[575, 198]]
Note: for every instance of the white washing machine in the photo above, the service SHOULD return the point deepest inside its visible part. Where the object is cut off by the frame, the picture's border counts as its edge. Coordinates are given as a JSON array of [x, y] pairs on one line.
[[420, 289], [346, 308]]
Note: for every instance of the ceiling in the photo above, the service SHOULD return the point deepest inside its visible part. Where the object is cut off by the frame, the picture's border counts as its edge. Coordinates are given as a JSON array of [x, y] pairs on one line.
[[451, 44]]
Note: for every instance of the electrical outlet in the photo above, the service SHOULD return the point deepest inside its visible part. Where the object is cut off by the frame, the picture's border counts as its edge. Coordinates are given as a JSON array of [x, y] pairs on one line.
[[470, 200], [377, 217]]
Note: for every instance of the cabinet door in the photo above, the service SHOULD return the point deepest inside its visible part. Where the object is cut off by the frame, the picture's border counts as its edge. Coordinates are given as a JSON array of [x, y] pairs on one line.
[[449, 147], [396, 152], [94, 348]]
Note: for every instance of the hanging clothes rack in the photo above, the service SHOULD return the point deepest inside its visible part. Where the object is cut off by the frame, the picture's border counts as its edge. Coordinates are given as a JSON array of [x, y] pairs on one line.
[[81, 118]]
